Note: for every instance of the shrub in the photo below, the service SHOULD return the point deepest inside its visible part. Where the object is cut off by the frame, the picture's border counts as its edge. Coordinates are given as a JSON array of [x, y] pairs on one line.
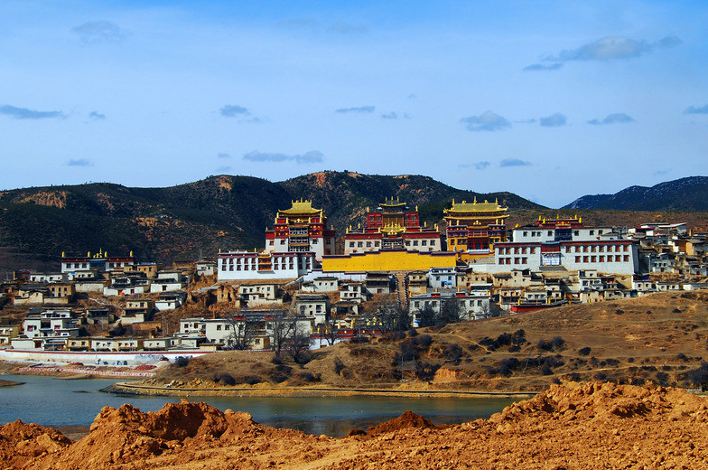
[[676, 310], [612, 362], [309, 376], [252, 379], [601, 376], [544, 345], [637, 381], [224, 378], [573, 377], [412, 332], [584, 351], [515, 348], [338, 366], [619, 311], [182, 361], [453, 353], [681, 356], [630, 359], [276, 360], [425, 370], [558, 343], [423, 341], [546, 370], [699, 376], [278, 376], [407, 352], [662, 378], [508, 365]]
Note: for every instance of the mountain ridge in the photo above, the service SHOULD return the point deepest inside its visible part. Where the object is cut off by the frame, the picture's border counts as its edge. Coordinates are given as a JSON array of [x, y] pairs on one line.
[[687, 193], [201, 217]]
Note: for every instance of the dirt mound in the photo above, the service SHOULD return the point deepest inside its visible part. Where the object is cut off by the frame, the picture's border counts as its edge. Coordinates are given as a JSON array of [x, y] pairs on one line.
[[597, 400], [21, 443], [572, 426], [407, 420], [127, 434]]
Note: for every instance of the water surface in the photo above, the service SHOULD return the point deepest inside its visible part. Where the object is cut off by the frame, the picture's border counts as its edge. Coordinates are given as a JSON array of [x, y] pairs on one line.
[[60, 403]]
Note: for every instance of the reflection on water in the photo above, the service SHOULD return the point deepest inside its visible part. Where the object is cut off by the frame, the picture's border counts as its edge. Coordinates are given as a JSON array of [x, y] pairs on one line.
[[56, 402]]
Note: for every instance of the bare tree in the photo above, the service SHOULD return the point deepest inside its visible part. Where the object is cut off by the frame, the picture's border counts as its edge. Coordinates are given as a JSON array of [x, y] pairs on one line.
[[298, 342], [330, 331], [392, 317], [281, 328], [242, 333], [449, 312]]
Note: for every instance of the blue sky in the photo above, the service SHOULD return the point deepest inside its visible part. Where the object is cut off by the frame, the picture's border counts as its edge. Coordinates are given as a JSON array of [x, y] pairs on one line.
[[550, 100]]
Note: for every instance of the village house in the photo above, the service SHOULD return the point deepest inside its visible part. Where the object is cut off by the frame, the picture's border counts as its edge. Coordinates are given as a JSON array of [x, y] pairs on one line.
[[7, 332], [51, 323], [40, 278], [417, 282], [30, 294], [148, 268], [442, 277], [125, 285], [471, 306], [101, 316], [312, 305], [253, 294], [159, 344], [78, 344], [170, 301], [137, 310], [167, 281], [353, 292], [205, 268], [381, 283], [89, 285], [321, 284], [668, 285]]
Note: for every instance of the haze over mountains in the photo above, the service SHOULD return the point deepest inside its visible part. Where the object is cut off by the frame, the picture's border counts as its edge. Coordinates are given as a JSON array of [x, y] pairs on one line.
[[228, 212]]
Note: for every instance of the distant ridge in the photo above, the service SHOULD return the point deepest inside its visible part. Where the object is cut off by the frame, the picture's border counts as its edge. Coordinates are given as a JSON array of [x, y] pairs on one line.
[[201, 217], [686, 194]]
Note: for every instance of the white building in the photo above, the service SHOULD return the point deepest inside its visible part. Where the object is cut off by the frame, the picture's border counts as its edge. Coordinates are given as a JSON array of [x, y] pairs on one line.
[[170, 301], [245, 265], [442, 277], [253, 294], [475, 305], [610, 257], [51, 324]]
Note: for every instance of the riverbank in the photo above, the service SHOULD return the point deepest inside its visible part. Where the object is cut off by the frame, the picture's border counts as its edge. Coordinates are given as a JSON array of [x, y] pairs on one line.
[[76, 371], [266, 390], [569, 426], [9, 383]]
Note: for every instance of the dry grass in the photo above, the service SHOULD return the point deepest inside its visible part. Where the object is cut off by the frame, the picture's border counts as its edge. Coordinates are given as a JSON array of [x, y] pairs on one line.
[[657, 338]]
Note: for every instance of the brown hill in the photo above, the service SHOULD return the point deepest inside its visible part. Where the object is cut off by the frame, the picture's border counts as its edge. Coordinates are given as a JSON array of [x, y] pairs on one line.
[[578, 426], [660, 338], [184, 221]]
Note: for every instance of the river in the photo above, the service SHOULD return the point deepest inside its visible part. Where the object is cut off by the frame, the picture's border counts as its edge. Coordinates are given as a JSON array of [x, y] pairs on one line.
[[61, 403]]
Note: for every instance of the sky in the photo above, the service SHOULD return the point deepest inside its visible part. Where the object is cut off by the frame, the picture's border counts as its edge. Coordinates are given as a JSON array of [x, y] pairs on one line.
[[547, 99]]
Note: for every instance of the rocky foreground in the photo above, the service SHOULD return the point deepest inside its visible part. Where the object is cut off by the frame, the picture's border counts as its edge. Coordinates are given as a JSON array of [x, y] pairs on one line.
[[574, 425]]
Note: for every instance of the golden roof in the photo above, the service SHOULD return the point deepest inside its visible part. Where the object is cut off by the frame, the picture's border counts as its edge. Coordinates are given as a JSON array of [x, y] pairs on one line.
[[476, 207], [301, 207]]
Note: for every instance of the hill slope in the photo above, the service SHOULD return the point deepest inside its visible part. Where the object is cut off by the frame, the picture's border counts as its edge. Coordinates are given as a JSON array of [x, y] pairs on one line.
[[199, 217], [687, 194]]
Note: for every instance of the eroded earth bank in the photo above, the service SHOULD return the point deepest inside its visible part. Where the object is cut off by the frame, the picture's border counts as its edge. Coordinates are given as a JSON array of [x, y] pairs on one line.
[[573, 425]]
